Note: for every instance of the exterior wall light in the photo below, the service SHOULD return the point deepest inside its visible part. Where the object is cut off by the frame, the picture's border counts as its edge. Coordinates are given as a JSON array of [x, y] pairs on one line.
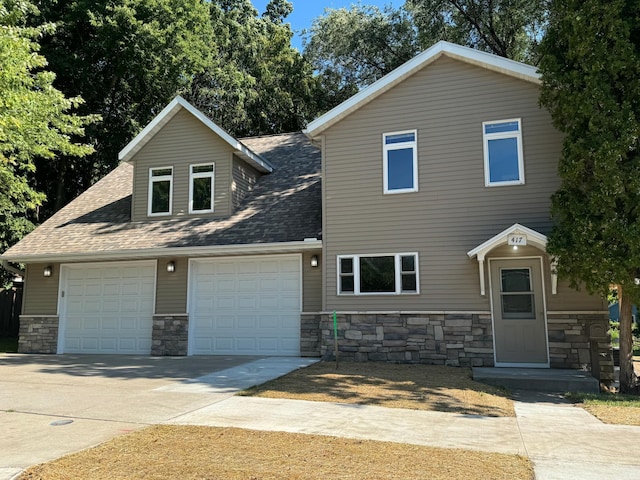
[[48, 271], [314, 261], [171, 266]]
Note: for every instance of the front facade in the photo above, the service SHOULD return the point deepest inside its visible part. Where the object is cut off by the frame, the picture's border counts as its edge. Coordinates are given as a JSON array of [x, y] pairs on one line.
[[426, 234]]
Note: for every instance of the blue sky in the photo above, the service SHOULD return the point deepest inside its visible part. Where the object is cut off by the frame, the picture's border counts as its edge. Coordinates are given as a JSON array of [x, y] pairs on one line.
[[304, 11]]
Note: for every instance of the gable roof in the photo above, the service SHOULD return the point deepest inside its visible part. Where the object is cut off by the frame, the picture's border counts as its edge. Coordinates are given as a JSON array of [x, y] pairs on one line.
[[168, 112], [430, 55], [283, 212]]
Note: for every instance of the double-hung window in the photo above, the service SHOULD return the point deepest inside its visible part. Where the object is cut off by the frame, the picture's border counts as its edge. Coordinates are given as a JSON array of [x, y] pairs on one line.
[[400, 162], [378, 274], [201, 182], [503, 159], [160, 191]]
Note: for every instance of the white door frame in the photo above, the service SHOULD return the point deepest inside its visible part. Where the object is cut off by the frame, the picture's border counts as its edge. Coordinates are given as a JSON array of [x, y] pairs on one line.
[[544, 304]]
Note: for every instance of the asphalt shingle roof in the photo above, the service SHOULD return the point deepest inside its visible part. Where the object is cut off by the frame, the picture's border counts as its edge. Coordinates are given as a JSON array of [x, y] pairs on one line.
[[284, 206]]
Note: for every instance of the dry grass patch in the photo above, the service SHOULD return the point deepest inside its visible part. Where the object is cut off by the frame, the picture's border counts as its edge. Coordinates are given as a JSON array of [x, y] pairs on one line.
[[612, 408], [168, 452], [417, 387]]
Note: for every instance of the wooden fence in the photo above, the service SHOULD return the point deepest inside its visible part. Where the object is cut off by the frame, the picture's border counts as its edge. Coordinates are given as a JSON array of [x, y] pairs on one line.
[[10, 308]]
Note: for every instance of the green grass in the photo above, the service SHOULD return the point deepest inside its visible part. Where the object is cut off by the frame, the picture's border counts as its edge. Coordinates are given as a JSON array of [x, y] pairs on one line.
[[608, 399], [8, 345]]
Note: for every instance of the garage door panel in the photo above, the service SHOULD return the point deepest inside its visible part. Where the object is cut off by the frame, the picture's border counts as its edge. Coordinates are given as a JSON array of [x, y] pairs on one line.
[[254, 302], [109, 308]]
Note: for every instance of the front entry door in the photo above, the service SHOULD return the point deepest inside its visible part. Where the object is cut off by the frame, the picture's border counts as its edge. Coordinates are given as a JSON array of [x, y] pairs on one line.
[[517, 300]]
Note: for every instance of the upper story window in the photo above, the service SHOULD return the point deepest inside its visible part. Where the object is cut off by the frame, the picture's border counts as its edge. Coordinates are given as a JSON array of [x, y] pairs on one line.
[[378, 274], [400, 158], [201, 181], [160, 191], [503, 159]]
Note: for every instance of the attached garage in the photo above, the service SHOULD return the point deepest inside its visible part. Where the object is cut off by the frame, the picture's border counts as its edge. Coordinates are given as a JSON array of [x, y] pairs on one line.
[[245, 305], [107, 307]]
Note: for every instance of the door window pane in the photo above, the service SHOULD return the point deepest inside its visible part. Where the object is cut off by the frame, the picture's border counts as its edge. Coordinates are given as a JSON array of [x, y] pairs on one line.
[[516, 294]]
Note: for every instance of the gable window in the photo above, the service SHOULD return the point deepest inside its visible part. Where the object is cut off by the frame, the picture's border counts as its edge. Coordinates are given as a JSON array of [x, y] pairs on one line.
[[160, 191], [400, 169], [503, 160], [378, 274], [201, 188]]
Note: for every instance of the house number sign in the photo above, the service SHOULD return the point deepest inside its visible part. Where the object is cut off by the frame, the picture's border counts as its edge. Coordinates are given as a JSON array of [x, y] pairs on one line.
[[517, 240]]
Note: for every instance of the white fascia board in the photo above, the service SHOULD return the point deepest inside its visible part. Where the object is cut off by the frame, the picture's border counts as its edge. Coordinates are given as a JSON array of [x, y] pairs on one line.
[[214, 250], [538, 239], [169, 112], [465, 54]]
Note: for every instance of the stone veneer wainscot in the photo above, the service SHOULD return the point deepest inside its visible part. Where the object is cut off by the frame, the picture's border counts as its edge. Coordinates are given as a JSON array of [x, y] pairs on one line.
[[38, 334]]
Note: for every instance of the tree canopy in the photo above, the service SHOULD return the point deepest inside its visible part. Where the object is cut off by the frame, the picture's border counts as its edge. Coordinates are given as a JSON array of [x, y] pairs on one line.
[[591, 87], [37, 122], [256, 83], [127, 59]]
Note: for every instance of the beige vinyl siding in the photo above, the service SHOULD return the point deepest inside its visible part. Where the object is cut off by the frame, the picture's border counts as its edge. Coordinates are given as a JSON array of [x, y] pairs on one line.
[[171, 288], [311, 283], [453, 211], [244, 178], [40, 293], [183, 141]]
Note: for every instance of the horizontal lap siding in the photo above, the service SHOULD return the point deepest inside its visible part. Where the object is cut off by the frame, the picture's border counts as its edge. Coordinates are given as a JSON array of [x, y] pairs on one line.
[[453, 211], [40, 295], [244, 178], [311, 283], [183, 141], [171, 289]]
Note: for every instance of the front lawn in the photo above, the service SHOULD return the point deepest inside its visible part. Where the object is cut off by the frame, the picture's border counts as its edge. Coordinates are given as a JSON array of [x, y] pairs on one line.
[[171, 452], [609, 407], [418, 387]]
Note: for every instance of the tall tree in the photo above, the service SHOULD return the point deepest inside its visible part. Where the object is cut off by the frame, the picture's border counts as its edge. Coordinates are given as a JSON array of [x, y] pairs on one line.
[[36, 121], [352, 48], [591, 86], [509, 28], [256, 82], [127, 59]]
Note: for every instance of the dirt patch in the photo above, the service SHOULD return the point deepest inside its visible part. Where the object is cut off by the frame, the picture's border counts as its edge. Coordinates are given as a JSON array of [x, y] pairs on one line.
[[167, 452], [417, 387]]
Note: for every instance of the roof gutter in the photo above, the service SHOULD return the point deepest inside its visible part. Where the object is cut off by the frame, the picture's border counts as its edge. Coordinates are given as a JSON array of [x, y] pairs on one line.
[[213, 250]]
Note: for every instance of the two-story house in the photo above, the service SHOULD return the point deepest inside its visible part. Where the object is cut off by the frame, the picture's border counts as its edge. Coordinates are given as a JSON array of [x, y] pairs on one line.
[[416, 211]]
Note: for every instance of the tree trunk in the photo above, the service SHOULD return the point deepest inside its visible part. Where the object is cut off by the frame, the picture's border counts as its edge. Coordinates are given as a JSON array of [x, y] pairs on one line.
[[628, 378]]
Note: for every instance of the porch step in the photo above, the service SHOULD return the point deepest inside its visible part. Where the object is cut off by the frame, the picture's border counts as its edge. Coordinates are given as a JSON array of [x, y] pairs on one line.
[[538, 379]]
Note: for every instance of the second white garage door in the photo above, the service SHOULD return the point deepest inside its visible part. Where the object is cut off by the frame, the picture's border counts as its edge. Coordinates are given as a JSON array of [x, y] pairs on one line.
[[245, 306]]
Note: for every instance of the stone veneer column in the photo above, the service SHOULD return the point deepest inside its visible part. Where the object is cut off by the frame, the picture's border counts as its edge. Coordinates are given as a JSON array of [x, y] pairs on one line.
[[581, 341], [436, 339], [170, 335], [38, 334], [310, 334]]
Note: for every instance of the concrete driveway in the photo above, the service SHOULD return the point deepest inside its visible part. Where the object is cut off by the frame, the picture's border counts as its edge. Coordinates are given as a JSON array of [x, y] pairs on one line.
[[52, 405]]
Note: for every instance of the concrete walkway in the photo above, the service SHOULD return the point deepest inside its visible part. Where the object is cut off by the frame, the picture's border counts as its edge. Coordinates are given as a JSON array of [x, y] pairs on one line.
[[563, 441], [107, 396]]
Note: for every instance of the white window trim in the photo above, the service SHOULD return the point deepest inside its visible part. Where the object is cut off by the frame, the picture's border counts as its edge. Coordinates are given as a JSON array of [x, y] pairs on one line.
[[162, 178], [397, 271], [193, 176], [398, 146], [497, 136]]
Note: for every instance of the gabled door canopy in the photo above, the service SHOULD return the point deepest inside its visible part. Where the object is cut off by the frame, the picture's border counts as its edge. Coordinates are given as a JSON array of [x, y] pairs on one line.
[[534, 238]]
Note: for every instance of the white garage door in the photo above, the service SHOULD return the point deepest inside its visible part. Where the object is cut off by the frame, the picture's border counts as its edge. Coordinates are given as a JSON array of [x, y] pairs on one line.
[[245, 306], [108, 308]]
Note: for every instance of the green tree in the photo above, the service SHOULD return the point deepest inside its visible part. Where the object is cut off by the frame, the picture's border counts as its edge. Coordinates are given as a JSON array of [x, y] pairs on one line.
[[37, 122], [352, 48], [591, 87], [127, 59], [509, 28], [256, 82]]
